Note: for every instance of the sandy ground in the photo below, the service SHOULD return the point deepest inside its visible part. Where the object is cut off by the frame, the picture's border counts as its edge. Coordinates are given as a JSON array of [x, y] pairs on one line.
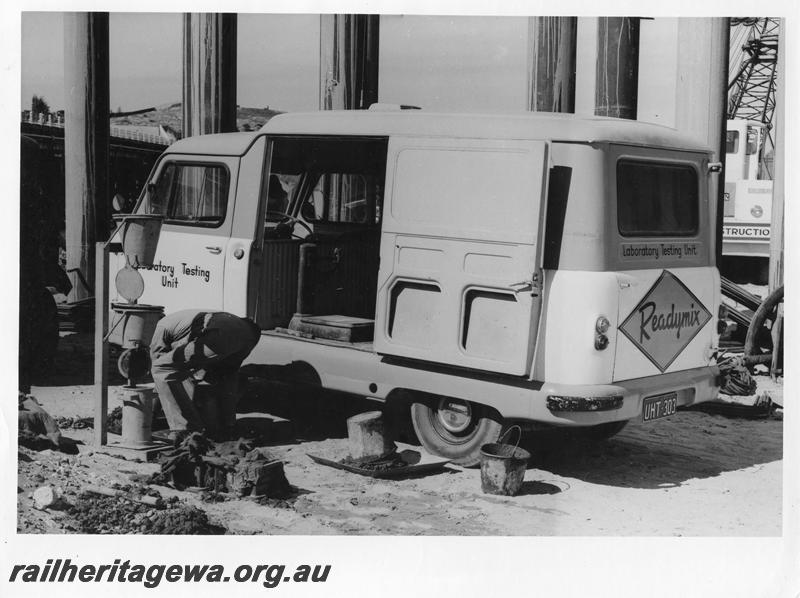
[[692, 474]]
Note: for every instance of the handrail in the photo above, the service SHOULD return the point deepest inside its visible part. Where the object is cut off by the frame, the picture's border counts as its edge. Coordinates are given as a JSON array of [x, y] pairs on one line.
[[118, 132]]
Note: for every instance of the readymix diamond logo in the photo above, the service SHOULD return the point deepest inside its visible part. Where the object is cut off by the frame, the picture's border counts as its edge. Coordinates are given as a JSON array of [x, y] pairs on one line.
[[665, 321]]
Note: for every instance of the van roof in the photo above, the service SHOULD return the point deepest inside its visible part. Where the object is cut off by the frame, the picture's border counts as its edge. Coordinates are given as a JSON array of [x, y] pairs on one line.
[[218, 144], [526, 125]]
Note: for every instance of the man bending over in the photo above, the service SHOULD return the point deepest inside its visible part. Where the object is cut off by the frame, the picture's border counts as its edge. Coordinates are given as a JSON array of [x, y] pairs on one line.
[[192, 345]]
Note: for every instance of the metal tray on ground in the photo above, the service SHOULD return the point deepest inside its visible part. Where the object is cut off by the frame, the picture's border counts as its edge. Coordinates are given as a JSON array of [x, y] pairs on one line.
[[417, 463]]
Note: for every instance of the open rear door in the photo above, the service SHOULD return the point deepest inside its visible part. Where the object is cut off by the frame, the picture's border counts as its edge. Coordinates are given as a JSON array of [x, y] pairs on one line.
[[459, 279]]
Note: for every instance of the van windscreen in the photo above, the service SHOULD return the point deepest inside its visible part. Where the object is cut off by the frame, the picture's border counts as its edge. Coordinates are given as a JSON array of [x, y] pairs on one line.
[[656, 199]]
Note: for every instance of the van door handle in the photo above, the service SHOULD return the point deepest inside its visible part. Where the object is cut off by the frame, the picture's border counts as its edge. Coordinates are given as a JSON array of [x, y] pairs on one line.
[[521, 287], [214, 250]]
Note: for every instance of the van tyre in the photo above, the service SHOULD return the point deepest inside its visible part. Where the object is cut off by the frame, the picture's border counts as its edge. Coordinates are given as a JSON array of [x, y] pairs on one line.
[[455, 429]]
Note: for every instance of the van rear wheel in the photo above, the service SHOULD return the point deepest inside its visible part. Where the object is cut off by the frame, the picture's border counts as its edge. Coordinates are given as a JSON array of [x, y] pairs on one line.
[[455, 429]]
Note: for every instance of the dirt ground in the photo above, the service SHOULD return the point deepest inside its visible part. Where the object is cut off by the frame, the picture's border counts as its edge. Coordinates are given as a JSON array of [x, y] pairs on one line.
[[692, 474]]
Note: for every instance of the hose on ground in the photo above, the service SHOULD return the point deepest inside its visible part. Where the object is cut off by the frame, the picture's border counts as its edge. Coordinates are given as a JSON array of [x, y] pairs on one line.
[[736, 378], [761, 315]]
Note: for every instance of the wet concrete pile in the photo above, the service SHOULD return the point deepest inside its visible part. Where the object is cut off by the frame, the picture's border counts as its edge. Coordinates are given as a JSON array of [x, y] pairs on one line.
[[233, 467], [259, 474], [384, 463], [94, 514]]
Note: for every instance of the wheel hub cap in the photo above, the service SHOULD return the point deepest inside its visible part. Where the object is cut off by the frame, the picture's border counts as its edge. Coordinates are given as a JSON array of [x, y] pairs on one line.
[[455, 416]]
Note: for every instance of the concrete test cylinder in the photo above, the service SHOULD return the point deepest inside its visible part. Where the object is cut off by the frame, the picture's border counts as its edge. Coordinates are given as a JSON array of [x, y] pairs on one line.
[[137, 416], [368, 437]]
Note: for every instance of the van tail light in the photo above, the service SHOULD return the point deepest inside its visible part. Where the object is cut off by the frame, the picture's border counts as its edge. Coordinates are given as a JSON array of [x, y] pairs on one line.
[[562, 403]]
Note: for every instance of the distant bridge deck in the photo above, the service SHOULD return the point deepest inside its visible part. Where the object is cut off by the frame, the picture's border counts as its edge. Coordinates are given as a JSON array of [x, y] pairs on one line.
[[121, 141], [130, 162]]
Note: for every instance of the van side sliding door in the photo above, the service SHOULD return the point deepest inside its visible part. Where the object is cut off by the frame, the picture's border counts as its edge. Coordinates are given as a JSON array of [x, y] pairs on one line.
[[458, 281]]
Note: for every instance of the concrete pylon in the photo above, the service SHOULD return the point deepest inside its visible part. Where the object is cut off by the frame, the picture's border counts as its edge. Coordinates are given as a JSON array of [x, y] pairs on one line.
[[348, 61], [779, 189], [617, 67], [552, 43], [86, 135], [209, 73], [701, 96]]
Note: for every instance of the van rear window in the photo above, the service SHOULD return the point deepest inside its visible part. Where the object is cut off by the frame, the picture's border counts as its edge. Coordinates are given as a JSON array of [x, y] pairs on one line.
[[656, 199]]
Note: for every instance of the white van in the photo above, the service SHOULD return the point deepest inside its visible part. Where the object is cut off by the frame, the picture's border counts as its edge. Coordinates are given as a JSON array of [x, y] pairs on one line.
[[486, 269]]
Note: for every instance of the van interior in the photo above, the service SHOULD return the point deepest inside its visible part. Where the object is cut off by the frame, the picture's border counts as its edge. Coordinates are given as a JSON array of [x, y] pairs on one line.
[[322, 229]]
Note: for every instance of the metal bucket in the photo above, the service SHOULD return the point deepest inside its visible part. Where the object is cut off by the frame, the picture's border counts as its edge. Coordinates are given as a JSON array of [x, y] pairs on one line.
[[503, 466], [138, 323], [140, 237], [137, 416]]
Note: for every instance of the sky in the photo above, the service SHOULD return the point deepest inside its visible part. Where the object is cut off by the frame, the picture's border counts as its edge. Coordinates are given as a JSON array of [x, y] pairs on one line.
[[441, 63]]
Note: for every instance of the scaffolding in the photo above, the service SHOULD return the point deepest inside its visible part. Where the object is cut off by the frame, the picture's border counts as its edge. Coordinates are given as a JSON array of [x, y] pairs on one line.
[[751, 77]]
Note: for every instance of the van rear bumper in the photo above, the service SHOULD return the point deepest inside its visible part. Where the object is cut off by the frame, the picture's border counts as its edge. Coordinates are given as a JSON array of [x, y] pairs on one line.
[[586, 405], [344, 367]]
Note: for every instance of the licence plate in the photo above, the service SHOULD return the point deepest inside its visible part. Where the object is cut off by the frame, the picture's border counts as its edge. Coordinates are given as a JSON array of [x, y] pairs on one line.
[[659, 406]]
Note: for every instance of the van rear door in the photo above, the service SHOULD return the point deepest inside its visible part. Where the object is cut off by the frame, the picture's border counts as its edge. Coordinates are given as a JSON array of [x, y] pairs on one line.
[[459, 269], [663, 253]]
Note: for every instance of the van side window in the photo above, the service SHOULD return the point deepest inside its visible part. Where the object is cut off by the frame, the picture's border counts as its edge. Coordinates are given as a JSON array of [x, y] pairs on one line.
[[194, 194], [347, 197], [656, 199], [337, 180]]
